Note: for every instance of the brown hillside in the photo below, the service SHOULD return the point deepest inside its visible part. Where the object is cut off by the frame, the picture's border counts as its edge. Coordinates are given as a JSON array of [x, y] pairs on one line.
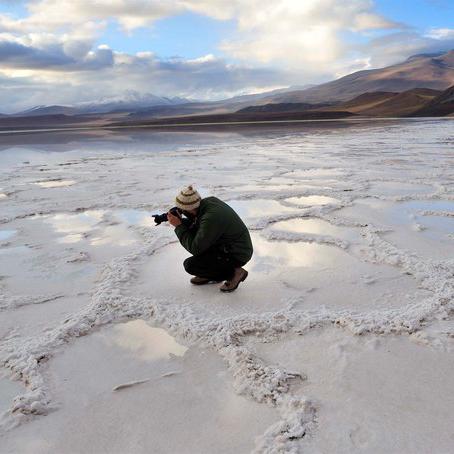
[[422, 71], [440, 106], [403, 104]]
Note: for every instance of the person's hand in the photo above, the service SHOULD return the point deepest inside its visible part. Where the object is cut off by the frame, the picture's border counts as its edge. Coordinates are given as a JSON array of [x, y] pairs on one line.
[[173, 220]]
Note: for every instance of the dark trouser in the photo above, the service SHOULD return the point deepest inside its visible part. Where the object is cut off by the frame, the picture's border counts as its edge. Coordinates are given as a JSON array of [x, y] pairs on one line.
[[213, 264]]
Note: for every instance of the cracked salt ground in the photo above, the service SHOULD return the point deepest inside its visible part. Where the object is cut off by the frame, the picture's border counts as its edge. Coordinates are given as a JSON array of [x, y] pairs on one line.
[[309, 275], [186, 391], [420, 226], [373, 393]]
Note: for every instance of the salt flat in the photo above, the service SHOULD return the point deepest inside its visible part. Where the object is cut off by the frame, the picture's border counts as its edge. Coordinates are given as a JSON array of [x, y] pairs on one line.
[[340, 340]]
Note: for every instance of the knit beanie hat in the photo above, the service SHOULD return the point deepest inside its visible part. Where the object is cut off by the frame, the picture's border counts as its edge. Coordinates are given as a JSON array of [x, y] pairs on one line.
[[188, 199]]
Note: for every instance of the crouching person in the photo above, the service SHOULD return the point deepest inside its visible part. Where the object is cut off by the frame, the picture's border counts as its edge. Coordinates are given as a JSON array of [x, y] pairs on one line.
[[216, 237]]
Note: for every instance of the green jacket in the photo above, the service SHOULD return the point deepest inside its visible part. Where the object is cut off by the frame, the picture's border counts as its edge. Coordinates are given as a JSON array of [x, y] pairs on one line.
[[217, 225]]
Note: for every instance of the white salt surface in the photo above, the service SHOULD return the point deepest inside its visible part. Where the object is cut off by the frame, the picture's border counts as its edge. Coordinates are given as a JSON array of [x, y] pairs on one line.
[[340, 340], [374, 394]]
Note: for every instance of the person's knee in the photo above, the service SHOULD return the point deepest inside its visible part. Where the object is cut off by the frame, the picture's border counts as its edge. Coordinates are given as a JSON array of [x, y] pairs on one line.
[[188, 265]]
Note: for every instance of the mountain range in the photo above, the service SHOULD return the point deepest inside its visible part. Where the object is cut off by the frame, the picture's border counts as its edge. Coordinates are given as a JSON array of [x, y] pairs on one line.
[[423, 85]]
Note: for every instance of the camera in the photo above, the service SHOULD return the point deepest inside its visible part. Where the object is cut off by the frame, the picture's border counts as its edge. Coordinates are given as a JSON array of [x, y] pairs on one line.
[[159, 218]]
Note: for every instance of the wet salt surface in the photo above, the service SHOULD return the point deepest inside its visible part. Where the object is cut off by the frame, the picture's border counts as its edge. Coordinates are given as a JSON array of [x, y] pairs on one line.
[[55, 183], [98, 227], [7, 234], [259, 208], [316, 227], [400, 188], [310, 275], [408, 228], [375, 393], [8, 390], [312, 200], [187, 389]]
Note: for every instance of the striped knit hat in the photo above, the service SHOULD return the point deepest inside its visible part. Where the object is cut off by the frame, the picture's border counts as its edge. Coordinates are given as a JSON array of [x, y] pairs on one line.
[[188, 199]]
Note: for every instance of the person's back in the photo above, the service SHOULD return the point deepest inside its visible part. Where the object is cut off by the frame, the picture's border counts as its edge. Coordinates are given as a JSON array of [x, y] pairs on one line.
[[217, 238]]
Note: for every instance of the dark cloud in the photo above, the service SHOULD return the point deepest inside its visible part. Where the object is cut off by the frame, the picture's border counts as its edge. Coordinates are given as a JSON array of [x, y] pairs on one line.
[[52, 57]]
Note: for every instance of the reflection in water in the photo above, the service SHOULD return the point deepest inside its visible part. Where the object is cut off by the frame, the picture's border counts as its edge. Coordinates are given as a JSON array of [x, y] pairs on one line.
[[312, 200], [75, 223], [259, 208], [8, 391], [310, 173], [315, 227], [437, 226], [7, 234], [3, 195], [279, 187], [107, 227], [274, 255], [135, 217], [15, 251], [143, 341], [118, 235], [55, 183], [398, 188]]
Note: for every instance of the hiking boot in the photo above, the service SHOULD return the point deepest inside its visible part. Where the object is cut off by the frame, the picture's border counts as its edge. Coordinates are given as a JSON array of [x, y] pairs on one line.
[[196, 280], [239, 275]]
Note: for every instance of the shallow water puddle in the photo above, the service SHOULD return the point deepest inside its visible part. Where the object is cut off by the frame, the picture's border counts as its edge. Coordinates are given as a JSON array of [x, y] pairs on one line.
[[315, 172], [394, 188], [312, 200], [315, 227], [427, 236], [9, 389], [55, 183], [339, 278], [99, 227], [259, 208], [7, 234], [135, 217], [284, 185], [143, 341], [79, 223]]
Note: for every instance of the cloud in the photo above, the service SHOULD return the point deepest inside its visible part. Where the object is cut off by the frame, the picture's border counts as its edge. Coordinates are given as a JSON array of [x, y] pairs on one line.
[[206, 77], [395, 47], [441, 33]]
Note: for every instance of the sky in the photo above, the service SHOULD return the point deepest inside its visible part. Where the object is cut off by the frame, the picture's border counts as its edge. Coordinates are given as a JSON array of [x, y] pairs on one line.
[[72, 52]]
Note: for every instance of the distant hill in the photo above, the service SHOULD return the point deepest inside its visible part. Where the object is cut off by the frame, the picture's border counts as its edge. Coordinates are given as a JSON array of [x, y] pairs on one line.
[[48, 110], [442, 105], [402, 104], [419, 71], [375, 104], [283, 107]]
